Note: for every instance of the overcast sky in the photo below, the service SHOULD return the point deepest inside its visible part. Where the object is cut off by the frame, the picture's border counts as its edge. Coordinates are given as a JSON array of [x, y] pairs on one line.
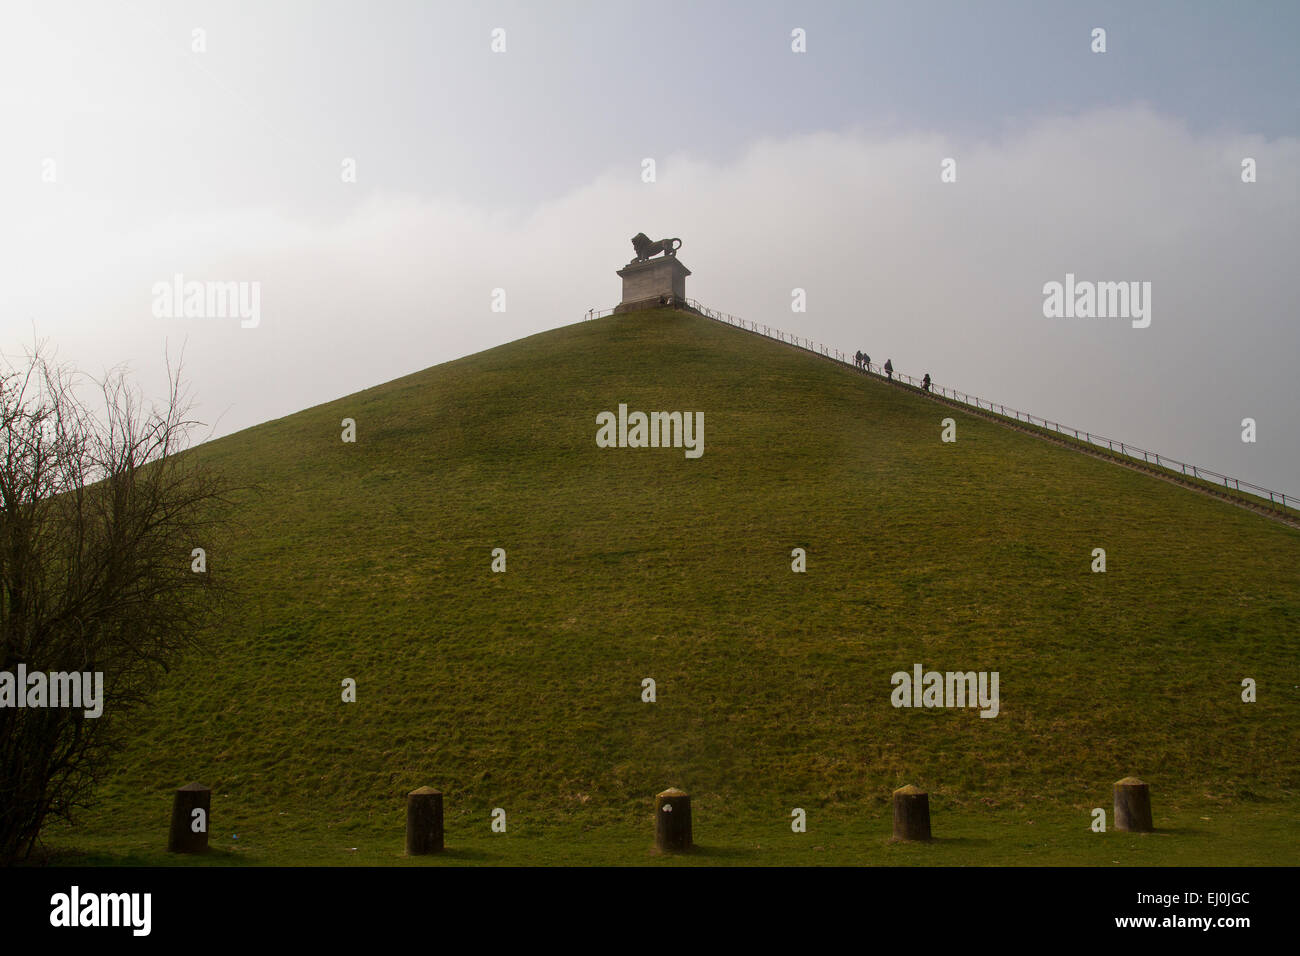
[[130, 157]]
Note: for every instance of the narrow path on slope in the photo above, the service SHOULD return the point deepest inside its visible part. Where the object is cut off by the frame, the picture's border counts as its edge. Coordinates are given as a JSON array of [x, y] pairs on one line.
[[1162, 473], [1287, 518]]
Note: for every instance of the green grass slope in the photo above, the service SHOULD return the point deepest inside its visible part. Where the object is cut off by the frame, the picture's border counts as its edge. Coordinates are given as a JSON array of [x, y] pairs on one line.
[[522, 690]]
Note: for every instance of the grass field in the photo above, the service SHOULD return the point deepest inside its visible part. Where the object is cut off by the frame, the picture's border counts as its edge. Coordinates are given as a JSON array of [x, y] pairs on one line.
[[522, 690]]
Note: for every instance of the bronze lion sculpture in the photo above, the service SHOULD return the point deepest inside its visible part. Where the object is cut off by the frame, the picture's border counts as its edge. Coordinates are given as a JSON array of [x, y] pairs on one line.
[[645, 248]]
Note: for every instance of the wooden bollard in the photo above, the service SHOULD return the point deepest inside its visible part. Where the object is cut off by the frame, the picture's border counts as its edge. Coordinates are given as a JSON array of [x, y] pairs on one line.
[[911, 814], [423, 821], [190, 811], [673, 821], [1132, 806]]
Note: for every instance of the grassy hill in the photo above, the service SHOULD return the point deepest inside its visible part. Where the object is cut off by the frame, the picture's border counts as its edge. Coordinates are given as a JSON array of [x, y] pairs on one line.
[[522, 690]]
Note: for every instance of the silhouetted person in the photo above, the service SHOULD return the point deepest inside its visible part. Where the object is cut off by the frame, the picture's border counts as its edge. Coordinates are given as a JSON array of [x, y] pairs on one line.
[[857, 359], [925, 383], [889, 370], [866, 361]]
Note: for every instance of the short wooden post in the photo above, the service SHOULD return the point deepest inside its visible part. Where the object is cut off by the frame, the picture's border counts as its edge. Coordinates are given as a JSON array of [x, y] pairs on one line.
[[673, 821], [189, 829], [423, 821], [1132, 806], [911, 814]]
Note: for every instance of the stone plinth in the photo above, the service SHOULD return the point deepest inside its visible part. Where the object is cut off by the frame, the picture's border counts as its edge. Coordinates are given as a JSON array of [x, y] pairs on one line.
[[645, 284]]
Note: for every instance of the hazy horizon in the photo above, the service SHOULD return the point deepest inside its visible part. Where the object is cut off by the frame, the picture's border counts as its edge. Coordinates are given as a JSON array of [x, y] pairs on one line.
[[136, 157]]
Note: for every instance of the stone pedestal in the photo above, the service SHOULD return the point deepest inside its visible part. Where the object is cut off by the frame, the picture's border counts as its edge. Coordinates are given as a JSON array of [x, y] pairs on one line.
[[655, 282]]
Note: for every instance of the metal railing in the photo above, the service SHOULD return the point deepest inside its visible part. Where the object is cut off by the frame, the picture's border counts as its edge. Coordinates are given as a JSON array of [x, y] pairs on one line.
[[1098, 441]]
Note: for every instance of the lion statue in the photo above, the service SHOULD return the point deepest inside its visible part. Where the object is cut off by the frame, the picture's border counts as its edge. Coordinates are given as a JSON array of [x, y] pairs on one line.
[[645, 248]]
